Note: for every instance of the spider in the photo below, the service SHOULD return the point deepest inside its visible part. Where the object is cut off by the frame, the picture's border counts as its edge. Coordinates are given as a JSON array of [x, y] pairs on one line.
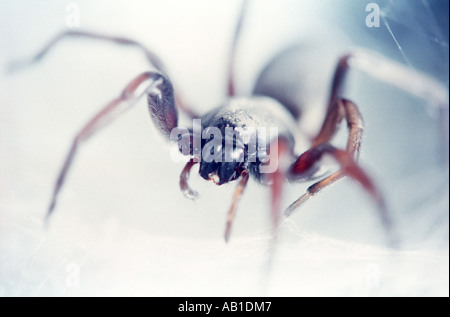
[[273, 103]]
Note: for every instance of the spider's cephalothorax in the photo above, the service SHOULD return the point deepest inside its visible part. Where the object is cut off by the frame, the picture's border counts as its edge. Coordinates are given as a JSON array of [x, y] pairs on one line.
[[245, 127]]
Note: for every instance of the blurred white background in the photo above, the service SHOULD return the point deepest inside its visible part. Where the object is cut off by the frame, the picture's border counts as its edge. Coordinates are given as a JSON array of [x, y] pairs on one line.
[[122, 227]]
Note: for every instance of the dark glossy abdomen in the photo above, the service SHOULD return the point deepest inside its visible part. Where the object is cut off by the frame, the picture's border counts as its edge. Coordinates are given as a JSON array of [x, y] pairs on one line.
[[300, 78]]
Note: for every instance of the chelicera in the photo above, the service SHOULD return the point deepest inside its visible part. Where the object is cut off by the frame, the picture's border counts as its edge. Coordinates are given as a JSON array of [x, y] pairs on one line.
[[272, 104]]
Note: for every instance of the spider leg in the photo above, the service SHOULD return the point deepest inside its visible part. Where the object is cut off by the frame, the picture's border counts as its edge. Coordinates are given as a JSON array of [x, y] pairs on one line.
[[409, 80], [184, 186], [152, 58], [306, 164], [232, 211], [159, 107], [348, 168], [276, 180], [394, 73], [343, 109], [310, 158], [414, 82], [231, 63]]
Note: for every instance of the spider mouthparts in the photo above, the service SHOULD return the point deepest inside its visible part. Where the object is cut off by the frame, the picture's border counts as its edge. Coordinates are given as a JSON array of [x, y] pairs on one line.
[[215, 178]]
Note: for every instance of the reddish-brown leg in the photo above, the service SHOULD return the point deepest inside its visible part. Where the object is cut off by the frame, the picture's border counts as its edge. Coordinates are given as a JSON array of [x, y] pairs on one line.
[[348, 168], [277, 180], [379, 67], [153, 59], [139, 86], [184, 186], [341, 109], [405, 78], [232, 211], [305, 165]]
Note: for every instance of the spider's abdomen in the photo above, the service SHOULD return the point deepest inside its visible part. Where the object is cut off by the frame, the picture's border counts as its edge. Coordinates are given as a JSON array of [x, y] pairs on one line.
[[299, 78]]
